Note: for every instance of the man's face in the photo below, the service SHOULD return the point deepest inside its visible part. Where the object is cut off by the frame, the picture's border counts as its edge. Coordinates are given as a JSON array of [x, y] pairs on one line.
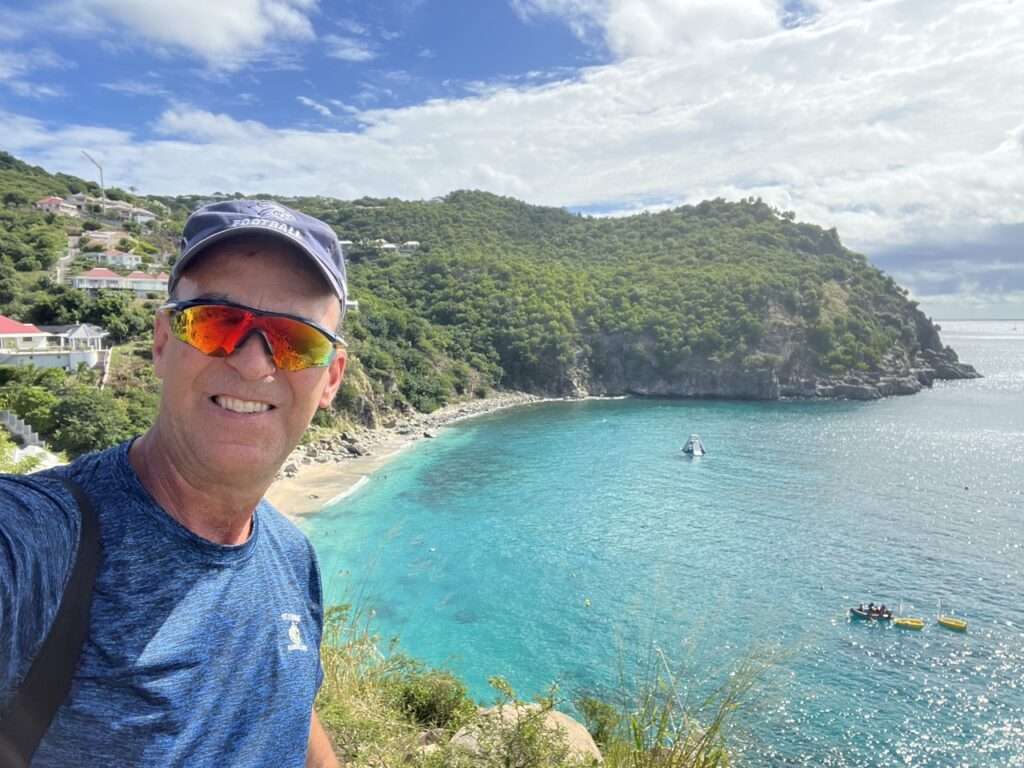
[[207, 402]]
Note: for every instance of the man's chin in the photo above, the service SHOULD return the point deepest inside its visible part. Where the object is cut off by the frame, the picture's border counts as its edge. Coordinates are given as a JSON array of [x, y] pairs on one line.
[[247, 461]]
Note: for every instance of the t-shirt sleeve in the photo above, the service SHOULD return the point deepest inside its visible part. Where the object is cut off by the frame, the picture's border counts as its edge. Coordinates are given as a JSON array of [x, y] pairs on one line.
[[39, 525]]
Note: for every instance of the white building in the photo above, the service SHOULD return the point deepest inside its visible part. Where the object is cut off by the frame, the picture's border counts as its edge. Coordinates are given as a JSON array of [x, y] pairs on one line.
[[102, 278], [20, 337], [51, 346], [115, 258], [56, 205]]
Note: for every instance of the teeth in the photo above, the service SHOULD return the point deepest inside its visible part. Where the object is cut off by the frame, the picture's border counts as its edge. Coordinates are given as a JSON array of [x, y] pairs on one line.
[[240, 406]]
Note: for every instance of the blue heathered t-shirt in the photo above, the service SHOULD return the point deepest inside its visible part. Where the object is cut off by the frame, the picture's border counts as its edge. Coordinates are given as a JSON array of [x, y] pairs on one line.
[[198, 654]]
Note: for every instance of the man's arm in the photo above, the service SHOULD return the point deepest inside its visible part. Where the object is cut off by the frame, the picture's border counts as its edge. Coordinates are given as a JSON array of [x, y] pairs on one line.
[[319, 753]]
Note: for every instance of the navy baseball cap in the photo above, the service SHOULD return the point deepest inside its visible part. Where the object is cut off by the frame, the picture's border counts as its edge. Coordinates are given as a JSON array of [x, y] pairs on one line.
[[311, 237]]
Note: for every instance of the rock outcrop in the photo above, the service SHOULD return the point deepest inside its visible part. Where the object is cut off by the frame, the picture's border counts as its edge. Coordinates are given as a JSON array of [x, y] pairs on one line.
[[507, 717], [785, 366]]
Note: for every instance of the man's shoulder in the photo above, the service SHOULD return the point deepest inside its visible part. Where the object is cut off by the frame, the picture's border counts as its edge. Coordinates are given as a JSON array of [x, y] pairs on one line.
[[38, 504], [282, 529], [39, 531]]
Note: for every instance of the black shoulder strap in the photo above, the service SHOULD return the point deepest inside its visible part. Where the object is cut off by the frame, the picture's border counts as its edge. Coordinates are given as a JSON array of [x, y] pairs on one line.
[[48, 682]]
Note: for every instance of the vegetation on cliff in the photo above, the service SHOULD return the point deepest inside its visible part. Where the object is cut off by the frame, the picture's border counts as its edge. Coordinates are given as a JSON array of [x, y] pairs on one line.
[[388, 709]]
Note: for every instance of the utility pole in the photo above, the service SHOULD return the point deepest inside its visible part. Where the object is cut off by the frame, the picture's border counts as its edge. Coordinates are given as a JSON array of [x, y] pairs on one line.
[[103, 189]]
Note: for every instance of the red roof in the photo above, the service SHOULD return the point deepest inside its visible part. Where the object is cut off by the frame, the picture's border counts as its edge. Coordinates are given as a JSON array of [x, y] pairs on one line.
[[99, 272], [9, 326], [50, 199]]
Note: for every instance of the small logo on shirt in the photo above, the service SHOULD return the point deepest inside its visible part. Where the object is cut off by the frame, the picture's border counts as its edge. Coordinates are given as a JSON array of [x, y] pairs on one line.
[[294, 634]]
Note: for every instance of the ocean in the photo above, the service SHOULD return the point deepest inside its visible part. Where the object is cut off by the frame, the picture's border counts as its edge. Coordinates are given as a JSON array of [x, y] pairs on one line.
[[572, 543]]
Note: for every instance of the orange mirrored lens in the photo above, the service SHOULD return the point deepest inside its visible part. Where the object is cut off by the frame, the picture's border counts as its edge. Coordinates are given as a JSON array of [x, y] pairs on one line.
[[210, 329], [217, 331], [296, 345]]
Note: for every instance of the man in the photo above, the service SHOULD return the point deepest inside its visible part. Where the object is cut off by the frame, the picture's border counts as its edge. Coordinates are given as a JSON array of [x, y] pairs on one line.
[[204, 632]]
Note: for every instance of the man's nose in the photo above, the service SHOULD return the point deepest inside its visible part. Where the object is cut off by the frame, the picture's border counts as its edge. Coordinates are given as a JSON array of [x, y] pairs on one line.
[[253, 358]]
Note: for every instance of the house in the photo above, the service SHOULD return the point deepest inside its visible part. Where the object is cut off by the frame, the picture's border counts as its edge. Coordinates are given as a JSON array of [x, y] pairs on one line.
[[141, 216], [51, 346], [78, 336], [140, 283], [97, 278], [143, 283], [114, 209], [115, 258], [20, 337], [56, 205], [409, 246]]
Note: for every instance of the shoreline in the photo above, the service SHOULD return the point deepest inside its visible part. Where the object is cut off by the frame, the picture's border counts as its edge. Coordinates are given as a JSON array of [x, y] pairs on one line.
[[325, 472]]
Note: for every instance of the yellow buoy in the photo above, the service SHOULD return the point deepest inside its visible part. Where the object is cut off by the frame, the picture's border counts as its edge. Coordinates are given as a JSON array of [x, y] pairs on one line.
[[950, 622], [906, 622]]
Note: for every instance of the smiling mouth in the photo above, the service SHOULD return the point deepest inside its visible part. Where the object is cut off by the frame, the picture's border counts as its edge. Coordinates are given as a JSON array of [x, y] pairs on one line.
[[235, 405]]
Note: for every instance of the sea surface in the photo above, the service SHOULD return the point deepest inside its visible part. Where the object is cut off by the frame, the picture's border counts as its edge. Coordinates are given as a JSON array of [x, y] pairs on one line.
[[573, 543]]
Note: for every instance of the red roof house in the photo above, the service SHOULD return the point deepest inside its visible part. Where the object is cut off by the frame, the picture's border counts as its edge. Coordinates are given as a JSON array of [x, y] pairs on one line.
[[9, 327]]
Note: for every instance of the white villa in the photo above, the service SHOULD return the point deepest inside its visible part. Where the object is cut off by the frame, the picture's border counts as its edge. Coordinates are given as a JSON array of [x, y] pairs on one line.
[[116, 258], [57, 205], [50, 346], [103, 278], [113, 208]]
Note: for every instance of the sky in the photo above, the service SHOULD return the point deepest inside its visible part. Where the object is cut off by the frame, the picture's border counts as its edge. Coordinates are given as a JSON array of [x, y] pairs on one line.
[[899, 122]]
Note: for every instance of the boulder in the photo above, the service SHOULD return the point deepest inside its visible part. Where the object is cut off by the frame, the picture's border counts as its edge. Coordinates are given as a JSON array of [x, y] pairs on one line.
[[856, 391], [582, 749]]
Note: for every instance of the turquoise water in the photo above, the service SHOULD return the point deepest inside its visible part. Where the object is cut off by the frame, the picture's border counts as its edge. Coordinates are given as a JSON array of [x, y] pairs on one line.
[[562, 542]]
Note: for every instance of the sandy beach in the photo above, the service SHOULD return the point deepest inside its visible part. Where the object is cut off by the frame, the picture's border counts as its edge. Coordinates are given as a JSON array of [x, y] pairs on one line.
[[325, 480]]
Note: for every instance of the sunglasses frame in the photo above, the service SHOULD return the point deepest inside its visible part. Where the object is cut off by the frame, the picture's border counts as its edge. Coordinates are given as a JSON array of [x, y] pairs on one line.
[[179, 306]]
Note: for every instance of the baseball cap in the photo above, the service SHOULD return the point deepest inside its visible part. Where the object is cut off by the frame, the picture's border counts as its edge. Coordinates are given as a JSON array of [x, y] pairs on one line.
[[313, 238]]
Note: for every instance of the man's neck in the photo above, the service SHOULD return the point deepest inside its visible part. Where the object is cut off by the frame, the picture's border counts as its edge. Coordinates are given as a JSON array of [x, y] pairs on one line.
[[217, 512]]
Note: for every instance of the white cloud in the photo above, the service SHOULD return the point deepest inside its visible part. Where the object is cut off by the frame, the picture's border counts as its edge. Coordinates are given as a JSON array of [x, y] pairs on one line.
[[225, 34], [352, 27], [136, 88], [323, 109], [17, 66], [899, 123], [349, 48], [660, 27]]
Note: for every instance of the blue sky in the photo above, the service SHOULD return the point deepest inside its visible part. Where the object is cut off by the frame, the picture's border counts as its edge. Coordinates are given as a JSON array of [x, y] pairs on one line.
[[900, 122]]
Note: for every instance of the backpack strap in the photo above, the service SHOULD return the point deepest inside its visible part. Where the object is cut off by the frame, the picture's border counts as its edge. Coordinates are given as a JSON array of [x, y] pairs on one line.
[[32, 707]]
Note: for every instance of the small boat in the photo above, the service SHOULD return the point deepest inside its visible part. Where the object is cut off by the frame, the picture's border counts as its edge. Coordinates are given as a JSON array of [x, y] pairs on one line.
[[951, 622], [870, 614], [694, 447], [907, 622]]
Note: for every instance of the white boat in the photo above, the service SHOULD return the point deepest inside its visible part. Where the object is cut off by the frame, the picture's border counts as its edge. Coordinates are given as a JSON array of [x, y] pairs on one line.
[[694, 447]]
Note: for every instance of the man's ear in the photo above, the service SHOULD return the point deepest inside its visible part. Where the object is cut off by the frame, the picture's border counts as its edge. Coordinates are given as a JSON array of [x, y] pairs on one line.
[[161, 338], [335, 373]]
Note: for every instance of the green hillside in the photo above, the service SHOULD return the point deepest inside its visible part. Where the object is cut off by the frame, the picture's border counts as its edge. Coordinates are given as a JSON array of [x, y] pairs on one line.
[[721, 299]]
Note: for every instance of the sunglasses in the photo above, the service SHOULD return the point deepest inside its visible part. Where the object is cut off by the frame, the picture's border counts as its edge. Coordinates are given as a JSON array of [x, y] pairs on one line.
[[218, 328]]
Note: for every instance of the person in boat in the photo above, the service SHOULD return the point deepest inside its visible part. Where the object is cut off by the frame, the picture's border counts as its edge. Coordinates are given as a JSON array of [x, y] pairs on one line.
[[204, 637], [871, 607]]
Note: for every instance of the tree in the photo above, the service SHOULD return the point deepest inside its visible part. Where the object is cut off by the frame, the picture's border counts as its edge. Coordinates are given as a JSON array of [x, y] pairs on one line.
[[15, 199], [89, 419]]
